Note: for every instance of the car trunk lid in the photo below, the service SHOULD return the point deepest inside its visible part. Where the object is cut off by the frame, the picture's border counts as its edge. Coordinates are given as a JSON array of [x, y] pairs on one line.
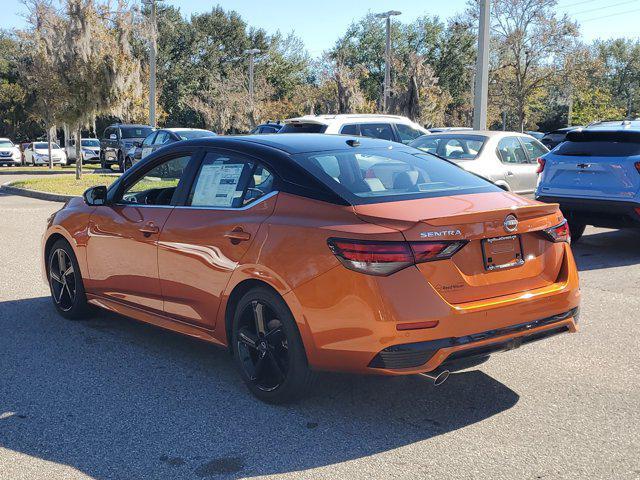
[[468, 275]]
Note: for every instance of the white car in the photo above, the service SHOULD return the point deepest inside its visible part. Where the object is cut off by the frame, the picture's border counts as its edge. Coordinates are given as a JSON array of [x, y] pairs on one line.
[[9, 153], [387, 127], [89, 150], [507, 159], [37, 153]]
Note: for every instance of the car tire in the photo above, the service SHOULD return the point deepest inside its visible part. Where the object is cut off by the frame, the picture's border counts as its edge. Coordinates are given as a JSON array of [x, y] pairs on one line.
[[576, 229], [267, 348], [65, 282]]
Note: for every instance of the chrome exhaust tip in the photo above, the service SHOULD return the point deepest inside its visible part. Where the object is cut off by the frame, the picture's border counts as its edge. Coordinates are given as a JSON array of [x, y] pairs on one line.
[[438, 376]]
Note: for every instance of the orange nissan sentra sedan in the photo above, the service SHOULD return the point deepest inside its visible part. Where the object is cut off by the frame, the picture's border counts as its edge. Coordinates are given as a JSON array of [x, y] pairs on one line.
[[311, 252]]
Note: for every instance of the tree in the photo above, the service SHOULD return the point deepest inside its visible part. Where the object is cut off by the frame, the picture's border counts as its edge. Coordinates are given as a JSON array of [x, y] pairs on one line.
[[528, 43]]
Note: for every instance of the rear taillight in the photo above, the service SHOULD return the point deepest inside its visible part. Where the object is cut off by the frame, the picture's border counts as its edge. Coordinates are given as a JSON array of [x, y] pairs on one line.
[[638, 166], [541, 162], [385, 258], [559, 233]]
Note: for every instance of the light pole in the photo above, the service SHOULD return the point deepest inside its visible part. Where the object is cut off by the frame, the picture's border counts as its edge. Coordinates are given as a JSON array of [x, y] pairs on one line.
[[387, 57], [251, 52], [152, 62], [480, 97]]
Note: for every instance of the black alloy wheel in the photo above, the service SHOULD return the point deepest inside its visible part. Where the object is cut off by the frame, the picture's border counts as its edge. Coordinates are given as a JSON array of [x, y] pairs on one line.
[[268, 349], [263, 347], [62, 279]]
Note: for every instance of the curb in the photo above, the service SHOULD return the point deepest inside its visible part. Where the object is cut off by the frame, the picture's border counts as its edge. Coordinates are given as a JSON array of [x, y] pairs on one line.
[[51, 197]]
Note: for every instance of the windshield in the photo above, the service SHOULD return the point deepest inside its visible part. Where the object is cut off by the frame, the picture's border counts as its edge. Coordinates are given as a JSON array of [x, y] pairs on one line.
[[191, 134], [90, 142], [6, 143], [380, 175], [303, 128], [598, 149], [45, 146], [451, 147], [135, 132]]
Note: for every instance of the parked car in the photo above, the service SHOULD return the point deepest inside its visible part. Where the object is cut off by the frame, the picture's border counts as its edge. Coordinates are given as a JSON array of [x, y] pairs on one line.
[[9, 153], [38, 154], [314, 252], [386, 127], [269, 127], [595, 177], [89, 149], [448, 129], [552, 139], [537, 135], [507, 159], [117, 140]]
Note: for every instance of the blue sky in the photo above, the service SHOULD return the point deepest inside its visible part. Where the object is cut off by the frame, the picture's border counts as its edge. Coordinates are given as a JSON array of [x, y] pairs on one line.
[[320, 22]]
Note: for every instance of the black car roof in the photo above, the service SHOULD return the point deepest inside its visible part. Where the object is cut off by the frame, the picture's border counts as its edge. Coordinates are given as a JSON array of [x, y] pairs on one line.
[[293, 143]]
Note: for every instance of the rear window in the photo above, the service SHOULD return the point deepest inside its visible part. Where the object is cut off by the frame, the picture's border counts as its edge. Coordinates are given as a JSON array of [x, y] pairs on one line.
[[376, 175], [600, 143], [303, 128], [458, 147], [135, 132]]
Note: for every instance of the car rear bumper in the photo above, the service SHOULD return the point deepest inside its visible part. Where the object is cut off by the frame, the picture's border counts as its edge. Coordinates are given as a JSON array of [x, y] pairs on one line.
[[353, 325], [598, 212]]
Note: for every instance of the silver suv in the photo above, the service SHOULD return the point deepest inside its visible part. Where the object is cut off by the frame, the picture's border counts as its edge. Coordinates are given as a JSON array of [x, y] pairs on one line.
[[507, 159]]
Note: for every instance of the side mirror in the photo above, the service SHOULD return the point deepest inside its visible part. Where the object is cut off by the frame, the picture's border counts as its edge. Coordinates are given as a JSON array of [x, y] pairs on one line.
[[113, 136], [95, 195]]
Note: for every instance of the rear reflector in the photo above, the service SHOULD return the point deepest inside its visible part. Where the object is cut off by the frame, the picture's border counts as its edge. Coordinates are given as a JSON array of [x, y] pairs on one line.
[[541, 163], [559, 233], [385, 258], [637, 164], [417, 325]]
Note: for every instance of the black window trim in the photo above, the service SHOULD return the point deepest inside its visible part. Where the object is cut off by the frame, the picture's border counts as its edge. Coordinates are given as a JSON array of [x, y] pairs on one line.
[[117, 189]]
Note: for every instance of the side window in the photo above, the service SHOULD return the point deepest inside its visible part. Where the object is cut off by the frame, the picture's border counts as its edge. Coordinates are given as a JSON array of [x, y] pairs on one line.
[[227, 181], [157, 186], [407, 134], [377, 130], [161, 138], [533, 148], [149, 140], [350, 130], [510, 151], [107, 132]]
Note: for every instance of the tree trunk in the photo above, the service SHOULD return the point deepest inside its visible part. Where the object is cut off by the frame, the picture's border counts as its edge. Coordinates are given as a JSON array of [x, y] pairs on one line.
[[78, 153], [49, 146]]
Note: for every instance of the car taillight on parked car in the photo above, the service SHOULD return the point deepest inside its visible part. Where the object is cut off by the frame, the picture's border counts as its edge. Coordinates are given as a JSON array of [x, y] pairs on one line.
[[541, 162], [385, 258], [637, 164], [559, 233]]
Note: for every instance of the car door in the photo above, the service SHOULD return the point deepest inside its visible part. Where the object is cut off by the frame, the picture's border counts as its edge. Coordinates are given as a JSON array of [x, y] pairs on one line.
[[123, 235], [147, 144], [534, 150], [515, 164], [203, 241]]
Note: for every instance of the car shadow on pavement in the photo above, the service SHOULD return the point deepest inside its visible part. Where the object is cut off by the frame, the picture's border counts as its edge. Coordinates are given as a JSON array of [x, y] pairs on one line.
[[607, 249], [114, 398]]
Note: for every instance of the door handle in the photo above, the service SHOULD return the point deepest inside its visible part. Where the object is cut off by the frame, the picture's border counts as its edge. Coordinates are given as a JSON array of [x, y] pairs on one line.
[[149, 229], [237, 235], [509, 173]]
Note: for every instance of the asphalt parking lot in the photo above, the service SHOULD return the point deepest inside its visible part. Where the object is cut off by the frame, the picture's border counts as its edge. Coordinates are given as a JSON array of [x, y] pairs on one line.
[[111, 398]]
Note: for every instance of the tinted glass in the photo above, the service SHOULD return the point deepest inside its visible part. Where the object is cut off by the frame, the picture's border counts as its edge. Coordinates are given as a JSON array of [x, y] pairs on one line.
[[598, 149], [44, 145], [533, 147], [377, 130], [370, 176], [90, 143], [407, 134], [158, 185], [6, 143], [149, 140], [510, 151], [190, 134], [458, 147], [162, 138], [350, 130], [135, 132], [303, 128]]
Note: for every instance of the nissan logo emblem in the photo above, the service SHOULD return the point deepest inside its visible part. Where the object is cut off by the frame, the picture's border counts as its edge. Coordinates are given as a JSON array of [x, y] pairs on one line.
[[510, 223]]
